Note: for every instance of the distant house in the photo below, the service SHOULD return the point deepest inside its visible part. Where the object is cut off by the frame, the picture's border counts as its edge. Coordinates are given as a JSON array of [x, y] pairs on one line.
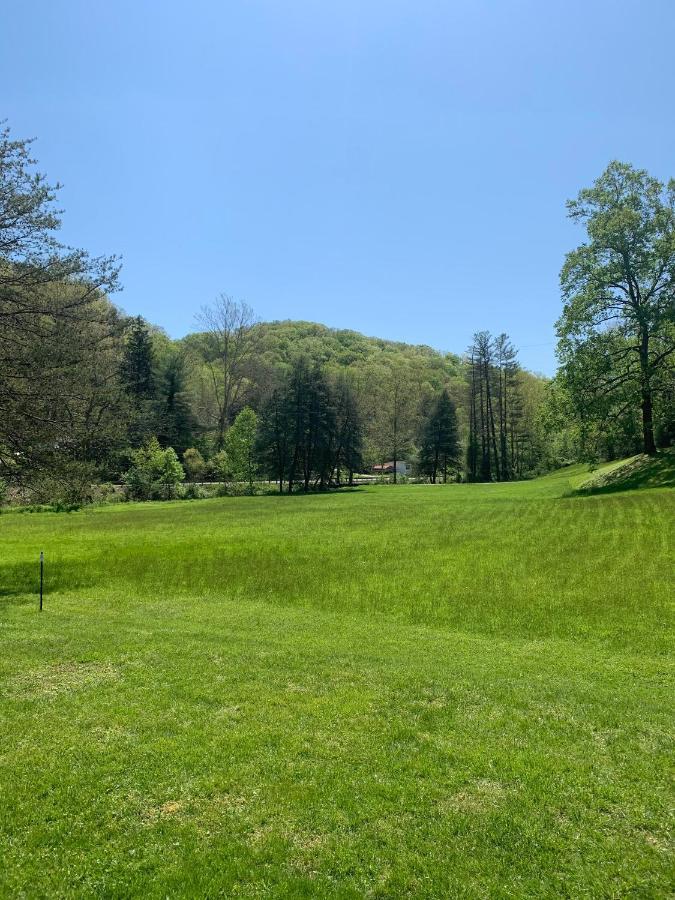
[[402, 468]]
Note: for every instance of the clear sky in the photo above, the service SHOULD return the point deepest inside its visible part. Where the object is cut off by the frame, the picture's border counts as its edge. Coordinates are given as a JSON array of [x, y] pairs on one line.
[[399, 168]]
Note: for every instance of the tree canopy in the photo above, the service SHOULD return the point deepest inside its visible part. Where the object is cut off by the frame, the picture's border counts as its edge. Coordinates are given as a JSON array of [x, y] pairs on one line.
[[617, 329]]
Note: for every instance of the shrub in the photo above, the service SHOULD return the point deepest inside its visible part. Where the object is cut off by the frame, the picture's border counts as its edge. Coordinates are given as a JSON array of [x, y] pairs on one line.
[[193, 491], [154, 472], [220, 467], [67, 488], [193, 463], [105, 493]]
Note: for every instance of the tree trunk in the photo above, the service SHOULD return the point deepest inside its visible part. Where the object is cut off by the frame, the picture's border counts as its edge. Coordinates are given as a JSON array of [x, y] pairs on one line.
[[647, 423], [491, 422], [395, 448], [648, 442]]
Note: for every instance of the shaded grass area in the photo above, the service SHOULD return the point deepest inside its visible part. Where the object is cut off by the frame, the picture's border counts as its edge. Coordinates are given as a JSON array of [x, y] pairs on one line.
[[640, 471], [413, 691]]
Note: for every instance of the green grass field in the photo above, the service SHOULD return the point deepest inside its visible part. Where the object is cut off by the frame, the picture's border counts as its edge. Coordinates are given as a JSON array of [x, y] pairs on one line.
[[424, 691]]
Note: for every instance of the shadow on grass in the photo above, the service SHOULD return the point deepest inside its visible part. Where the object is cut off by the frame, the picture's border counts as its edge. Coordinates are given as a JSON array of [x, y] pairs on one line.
[[22, 579], [642, 472]]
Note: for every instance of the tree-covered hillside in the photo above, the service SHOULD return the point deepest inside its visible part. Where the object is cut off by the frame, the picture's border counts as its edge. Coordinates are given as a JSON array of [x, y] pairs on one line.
[[395, 386]]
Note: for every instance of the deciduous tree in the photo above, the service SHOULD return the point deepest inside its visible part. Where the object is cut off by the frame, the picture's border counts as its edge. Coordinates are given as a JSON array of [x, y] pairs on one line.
[[230, 344], [617, 328]]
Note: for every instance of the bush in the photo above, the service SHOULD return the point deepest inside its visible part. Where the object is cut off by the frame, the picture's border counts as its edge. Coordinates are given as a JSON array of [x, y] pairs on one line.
[[193, 491], [239, 489], [154, 473], [105, 493], [69, 487], [220, 467], [193, 463]]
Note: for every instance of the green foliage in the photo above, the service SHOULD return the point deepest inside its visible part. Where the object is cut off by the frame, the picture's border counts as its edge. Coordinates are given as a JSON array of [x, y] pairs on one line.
[[176, 422], [240, 447], [59, 402], [193, 463], [137, 360], [308, 430], [193, 491], [220, 466], [617, 329], [154, 473], [439, 447], [68, 486]]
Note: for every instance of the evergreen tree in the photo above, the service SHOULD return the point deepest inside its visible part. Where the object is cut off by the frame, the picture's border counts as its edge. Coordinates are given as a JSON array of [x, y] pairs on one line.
[[439, 449], [60, 401], [137, 360], [273, 445], [298, 436], [349, 433], [176, 424], [136, 371]]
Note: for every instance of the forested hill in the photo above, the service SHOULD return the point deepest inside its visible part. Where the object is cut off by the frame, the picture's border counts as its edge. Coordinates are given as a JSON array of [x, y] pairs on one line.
[[280, 342], [393, 385]]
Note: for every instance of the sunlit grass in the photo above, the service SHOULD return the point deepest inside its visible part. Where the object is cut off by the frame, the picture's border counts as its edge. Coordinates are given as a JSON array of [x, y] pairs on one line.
[[426, 690]]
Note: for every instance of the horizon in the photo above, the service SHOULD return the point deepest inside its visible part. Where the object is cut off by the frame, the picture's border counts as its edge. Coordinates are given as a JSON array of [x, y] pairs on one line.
[[328, 164]]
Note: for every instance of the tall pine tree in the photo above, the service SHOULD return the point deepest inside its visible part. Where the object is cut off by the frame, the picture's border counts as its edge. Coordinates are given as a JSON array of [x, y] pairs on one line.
[[439, 449]]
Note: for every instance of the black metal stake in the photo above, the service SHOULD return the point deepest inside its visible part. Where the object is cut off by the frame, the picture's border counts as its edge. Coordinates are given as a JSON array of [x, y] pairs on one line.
[[42, 567]]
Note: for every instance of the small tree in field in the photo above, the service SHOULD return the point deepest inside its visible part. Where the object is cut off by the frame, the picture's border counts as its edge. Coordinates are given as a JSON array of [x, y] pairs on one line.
[[240, 444]]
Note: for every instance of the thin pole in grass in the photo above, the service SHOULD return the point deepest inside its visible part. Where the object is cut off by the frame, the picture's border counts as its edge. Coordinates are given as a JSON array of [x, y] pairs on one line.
[[42, 572]]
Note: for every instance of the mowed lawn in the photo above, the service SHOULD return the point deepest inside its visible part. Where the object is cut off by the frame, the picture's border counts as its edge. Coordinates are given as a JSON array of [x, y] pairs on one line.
[[424, 691]]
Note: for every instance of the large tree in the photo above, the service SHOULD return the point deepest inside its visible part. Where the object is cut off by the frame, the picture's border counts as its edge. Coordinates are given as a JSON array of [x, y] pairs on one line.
[[230, 344], [176, 426], [617, 329], [394, 406], [274, 440], [439, 446], [57, 332], [348, 442], [137, 360]]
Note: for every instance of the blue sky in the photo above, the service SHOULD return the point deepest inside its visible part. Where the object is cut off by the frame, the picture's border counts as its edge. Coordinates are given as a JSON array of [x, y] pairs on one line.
[[399, 168]]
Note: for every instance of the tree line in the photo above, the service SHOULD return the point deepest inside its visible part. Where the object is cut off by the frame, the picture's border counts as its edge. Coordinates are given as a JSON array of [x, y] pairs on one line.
[[499, 444], [86, 391]]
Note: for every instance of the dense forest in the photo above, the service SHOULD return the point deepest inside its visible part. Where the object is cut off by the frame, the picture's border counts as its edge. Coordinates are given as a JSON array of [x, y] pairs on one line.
[[90, 395]]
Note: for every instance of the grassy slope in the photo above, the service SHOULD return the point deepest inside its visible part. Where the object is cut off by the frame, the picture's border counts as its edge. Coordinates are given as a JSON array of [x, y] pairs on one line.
[[631, 474], [434, 691]]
